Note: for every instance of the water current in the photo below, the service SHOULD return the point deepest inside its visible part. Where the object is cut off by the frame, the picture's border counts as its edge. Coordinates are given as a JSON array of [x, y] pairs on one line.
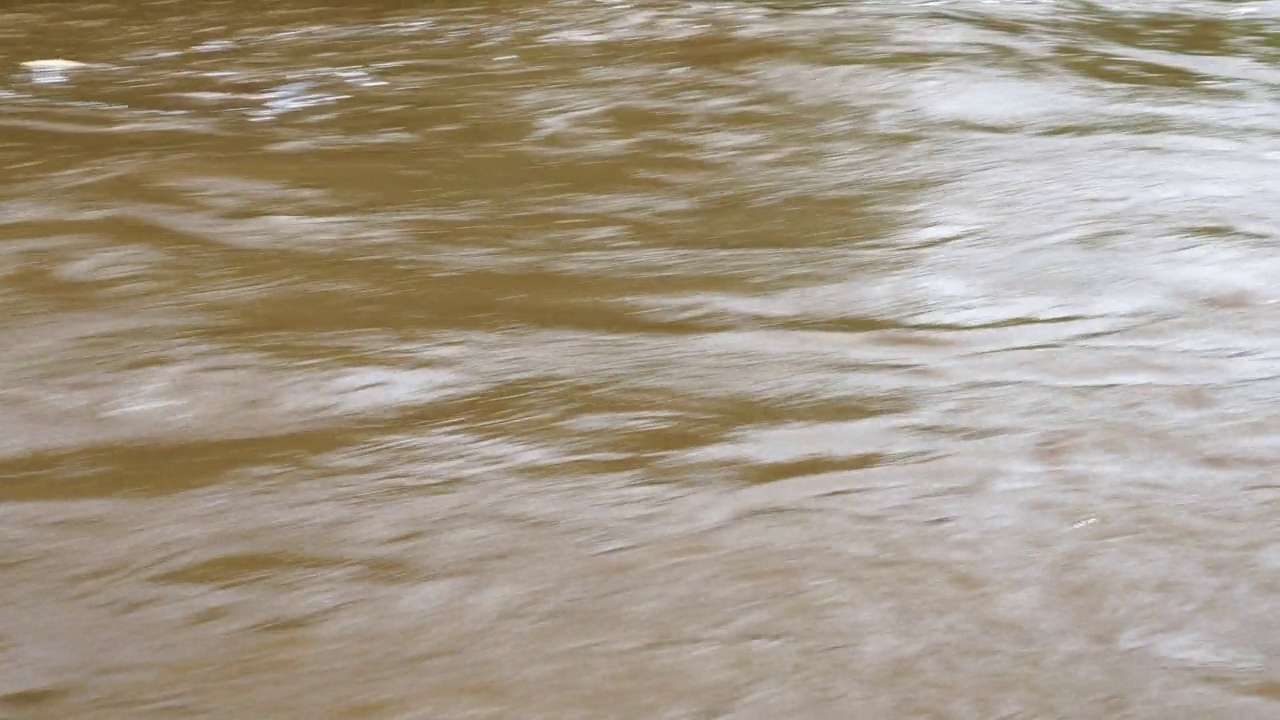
[[603, 359]]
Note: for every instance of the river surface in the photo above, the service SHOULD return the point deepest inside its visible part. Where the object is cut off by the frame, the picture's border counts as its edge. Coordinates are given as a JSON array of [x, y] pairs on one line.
[[586, 360]]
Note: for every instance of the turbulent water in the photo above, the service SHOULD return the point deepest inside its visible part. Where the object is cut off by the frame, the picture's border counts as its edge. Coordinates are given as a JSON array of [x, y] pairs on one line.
[[583, 359]]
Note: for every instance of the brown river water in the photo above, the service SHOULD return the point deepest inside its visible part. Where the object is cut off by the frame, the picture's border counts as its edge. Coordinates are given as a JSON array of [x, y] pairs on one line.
[[595, 359]]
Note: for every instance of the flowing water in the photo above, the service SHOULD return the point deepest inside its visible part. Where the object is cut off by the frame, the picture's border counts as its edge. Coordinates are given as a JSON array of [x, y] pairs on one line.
[[605, 359]]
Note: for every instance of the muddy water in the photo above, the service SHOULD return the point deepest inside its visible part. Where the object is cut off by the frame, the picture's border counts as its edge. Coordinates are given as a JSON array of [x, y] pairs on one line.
[[639, 360]]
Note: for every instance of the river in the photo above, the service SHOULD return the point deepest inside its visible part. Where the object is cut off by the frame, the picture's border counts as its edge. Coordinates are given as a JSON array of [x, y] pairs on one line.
[[589, 359]]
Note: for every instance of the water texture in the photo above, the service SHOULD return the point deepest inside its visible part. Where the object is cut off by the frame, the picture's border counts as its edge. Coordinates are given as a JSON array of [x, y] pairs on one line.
[[590, 359]]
